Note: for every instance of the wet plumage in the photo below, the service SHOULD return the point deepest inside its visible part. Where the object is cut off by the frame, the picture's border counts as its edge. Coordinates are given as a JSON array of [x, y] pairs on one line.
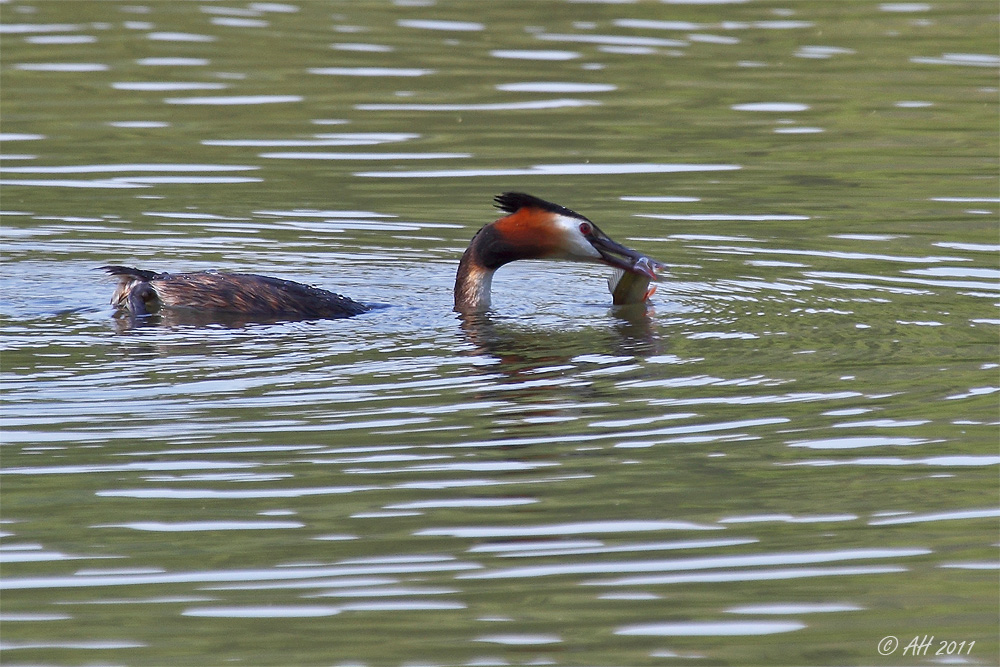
[[145, 292]]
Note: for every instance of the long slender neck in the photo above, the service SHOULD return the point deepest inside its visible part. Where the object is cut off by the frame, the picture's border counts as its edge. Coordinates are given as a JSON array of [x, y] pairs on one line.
[[488, 251], [472, 283], [510, 238]]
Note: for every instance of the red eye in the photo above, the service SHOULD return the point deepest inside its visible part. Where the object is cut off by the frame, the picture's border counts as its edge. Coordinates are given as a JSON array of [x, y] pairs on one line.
[[586, 228]]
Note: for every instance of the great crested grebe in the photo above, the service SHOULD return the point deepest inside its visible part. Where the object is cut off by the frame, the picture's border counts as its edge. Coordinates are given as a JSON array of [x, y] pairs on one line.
[[532, 229]]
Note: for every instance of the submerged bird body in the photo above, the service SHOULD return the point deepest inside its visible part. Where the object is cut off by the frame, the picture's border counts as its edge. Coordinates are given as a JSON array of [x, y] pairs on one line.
[[145, 292], [532, 229]]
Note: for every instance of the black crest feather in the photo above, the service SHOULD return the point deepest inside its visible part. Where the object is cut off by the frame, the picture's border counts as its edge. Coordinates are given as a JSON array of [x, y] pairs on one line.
[[130, 272], [512, 202]]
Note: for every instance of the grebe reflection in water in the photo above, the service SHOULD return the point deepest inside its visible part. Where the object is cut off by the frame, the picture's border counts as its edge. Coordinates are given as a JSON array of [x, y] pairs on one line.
[[532, 229]]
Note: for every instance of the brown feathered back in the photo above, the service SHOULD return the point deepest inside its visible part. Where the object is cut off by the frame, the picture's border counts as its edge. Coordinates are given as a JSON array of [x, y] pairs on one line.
[[143, 292]]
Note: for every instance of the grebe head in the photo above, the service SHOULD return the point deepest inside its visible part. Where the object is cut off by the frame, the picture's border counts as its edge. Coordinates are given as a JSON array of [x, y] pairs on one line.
[[536, 229]]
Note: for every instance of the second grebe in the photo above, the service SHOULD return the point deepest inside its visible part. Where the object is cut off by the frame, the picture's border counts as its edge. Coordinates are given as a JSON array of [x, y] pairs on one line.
[[532, 229]]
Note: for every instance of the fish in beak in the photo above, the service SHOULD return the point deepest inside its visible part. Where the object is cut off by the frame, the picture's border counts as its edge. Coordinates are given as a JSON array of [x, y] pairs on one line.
[[633, 271], [536, 228]]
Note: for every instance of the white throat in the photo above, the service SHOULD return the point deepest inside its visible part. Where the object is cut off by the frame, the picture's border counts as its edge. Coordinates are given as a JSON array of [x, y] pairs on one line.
[[472, 294]]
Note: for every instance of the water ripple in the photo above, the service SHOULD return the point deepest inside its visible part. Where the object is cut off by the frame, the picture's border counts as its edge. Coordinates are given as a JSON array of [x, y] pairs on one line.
[[554, 170], [371, 71], [702, 563], [27, 28], [263, 611], [128, 167], [711, 628], [533, 105], [954, 460], [219, 576], [85, 645], [232, 494], [937, 516], [235, 100], [438, 24], [547, 548], [367, 156], [195, 526], [615, 40], [578, 528], [794, 608], [732, 576], [522, 54], [511, 639], [857, 442]]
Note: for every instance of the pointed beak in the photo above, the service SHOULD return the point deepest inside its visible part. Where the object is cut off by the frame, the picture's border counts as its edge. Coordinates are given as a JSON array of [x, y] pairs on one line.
[[624, 258]]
